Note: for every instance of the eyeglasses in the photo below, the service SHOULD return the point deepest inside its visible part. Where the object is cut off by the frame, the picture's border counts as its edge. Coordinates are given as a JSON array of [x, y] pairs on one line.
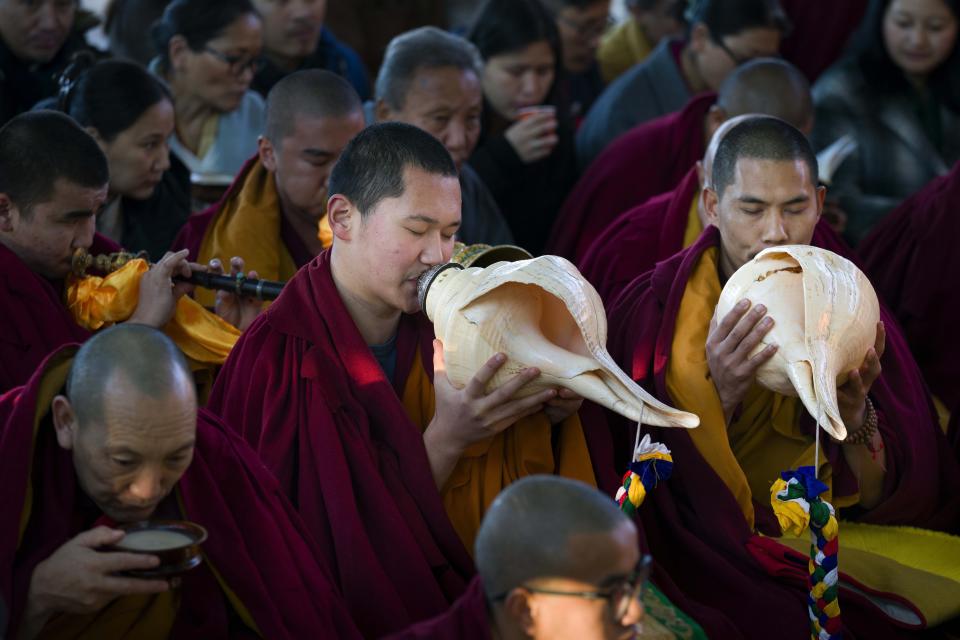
[[587, 30], [238, 64], [620, 594], [737, 60]]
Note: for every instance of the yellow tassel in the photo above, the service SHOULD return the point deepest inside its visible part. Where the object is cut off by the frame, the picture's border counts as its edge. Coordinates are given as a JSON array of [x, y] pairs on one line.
[[637, 491]]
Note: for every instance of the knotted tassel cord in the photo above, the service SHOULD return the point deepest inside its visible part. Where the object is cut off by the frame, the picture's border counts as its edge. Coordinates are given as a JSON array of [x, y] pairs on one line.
[[796, 501], [652, 462]]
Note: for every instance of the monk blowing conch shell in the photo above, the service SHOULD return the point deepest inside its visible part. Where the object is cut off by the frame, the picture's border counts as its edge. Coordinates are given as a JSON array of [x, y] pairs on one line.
[[540, 313], [825, 314]]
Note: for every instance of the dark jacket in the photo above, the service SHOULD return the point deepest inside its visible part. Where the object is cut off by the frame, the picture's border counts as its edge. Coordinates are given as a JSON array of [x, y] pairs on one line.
[[331, 55], [22, 85], [529, 195], [894, 159]]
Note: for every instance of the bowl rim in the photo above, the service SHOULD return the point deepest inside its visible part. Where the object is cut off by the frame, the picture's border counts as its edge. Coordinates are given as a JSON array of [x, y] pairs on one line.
[[196, 532]]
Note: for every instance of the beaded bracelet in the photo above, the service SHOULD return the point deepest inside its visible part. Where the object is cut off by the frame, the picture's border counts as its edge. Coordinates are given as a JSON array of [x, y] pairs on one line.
[[864, 434]]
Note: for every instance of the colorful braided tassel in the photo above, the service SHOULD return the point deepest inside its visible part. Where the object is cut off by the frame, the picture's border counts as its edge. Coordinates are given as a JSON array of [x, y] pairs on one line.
[[797, 505], [652, 462]]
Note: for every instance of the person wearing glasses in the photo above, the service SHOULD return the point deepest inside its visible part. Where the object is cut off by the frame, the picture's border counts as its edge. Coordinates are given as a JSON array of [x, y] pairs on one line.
[[209, 54], [581, 24], [556, 559], [525, 154], [721, 35]]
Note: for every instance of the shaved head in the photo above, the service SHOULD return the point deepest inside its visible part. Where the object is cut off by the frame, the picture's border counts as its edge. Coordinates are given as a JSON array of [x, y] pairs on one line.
[[146, 361], [537, 528], [718, 135], [313, 93], [768, 86]]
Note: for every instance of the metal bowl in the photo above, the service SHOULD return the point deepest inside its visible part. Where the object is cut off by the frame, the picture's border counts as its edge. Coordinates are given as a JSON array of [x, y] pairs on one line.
[[175, 542]]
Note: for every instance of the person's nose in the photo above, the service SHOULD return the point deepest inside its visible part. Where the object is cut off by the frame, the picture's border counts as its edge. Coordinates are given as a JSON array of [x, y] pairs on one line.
[[85, 230], [432, 253], [775, 231], [147, 486], [634, 613], [163, 158], [46, 16], [455, 138]]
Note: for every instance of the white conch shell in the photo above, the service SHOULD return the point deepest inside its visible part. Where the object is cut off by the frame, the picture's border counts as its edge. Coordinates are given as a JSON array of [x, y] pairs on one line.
[[825, 314], [540, 313]]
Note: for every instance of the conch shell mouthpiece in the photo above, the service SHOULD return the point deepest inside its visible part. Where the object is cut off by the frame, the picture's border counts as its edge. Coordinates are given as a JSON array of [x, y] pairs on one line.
[[541, 313], [825, 314]]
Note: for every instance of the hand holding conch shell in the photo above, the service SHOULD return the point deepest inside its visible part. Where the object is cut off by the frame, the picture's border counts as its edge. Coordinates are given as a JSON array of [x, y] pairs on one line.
[[825, 328]]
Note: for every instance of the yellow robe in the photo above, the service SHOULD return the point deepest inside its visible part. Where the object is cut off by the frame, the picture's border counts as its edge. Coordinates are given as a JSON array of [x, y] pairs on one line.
[[621, 48], [530, 446]]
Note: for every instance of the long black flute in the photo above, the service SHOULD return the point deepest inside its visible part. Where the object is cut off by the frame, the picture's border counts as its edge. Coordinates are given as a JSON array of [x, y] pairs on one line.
[[239, 284]]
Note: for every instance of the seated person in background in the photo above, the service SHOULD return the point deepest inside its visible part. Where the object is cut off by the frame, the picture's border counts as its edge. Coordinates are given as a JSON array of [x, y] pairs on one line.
[[53, 182], [911, 259], [295, 38], [273, 214], [898, 95], [654, 157], [36, 41], [631, 41], [764, 194], [209, 52], [581, 24], [129, 112], [431, 79], [557, 559], [109, 435], [721, 35], [525, 153], [377, 449]]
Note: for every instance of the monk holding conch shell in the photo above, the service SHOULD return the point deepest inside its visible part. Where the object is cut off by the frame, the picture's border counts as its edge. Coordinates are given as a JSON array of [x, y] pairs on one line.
[[110, 434], [341, 388], [893, 467]]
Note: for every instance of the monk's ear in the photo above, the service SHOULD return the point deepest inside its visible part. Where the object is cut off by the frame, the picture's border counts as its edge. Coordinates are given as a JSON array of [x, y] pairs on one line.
[[821, 198], [711, 206], [699, 37], [342, 216], [64, 421], [9, 214], [521, 609], [701, 175], [177, 52], [382, 111], [716, 116], [267, 154]]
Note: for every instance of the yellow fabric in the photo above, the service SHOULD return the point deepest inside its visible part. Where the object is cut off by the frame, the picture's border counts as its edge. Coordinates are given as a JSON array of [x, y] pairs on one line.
[[137, 617], [919, 565], [94, 302], [943, 413], [694, 225], [208, 135], [324, 232], [621, 48], [526, 448], [749, 455], [248, 226]]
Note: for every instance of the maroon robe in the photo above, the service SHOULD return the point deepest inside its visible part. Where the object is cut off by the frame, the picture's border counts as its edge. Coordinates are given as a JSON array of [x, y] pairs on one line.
[[911, 258], [640, 238], [821, 30], [256, 542], [467, 619], [694, 525], [191, 234], [305, 390], [35, 321], [648, 160]]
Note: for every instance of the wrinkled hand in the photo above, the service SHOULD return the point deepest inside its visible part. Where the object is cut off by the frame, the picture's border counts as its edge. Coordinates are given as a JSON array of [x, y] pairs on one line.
[[564, 405], [238, 311], [534, 137], [79, 579], [835, 216], [729, 346], [158, 291], [852, 395], [469, 415]]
